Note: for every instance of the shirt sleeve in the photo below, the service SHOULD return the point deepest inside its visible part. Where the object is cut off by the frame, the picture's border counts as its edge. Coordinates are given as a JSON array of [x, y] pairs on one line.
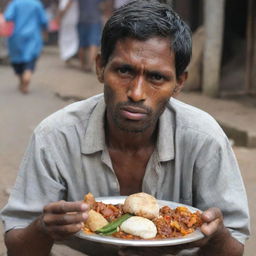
[[218, 183], [42, 16], [9, 13], [38, 183]]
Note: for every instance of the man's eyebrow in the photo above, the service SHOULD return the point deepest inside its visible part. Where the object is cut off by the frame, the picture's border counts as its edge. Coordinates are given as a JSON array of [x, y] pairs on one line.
[[125, 65], [121, 63], [118, 64], [164, 73]]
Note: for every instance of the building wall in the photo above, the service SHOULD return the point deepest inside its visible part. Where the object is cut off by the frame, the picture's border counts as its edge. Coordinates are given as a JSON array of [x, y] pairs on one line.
[[191, 11]]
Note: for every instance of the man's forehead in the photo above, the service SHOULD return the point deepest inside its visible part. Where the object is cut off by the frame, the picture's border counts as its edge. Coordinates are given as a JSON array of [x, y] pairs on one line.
[[125, 40], [154, 44], [155, 50]]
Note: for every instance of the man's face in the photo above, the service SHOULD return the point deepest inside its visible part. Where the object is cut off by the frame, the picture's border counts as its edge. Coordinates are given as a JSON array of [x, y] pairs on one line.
[[139, 79]]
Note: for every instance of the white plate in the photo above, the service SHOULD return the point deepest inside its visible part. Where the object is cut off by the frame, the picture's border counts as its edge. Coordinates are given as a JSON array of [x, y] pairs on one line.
[[196, 235]]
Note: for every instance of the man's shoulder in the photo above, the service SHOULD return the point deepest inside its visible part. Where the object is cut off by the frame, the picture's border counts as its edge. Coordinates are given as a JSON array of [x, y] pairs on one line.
[[190, 118], [72, 116]]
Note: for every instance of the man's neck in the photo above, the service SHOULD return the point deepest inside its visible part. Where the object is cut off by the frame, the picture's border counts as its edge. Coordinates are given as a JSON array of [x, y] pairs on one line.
[[130, 141]]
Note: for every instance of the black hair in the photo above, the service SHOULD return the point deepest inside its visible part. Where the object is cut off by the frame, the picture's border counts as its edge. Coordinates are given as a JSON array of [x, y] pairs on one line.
[[144, 19]]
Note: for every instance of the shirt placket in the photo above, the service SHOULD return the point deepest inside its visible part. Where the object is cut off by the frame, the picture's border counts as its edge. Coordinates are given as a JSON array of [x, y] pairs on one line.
[[150, 180], [114, 184]]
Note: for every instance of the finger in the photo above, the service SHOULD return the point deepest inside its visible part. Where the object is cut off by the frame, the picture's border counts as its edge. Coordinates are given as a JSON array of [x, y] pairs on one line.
[[64, 231], [64, 219], [210, 228], [212, 214], [64, 207]]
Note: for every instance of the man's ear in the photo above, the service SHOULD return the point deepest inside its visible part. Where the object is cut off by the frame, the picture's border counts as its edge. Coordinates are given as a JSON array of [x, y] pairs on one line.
[[180, 83], [99, 68]]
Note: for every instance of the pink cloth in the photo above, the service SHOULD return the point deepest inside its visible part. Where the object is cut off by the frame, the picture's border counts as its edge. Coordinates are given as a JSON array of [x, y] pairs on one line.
[[6, 29]]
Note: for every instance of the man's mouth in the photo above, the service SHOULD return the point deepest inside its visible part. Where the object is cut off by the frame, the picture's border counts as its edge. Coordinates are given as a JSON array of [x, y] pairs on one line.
[[133, 113]]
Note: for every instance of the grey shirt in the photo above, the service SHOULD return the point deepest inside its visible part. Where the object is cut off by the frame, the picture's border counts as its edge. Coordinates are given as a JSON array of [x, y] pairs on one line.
[[67, 157]]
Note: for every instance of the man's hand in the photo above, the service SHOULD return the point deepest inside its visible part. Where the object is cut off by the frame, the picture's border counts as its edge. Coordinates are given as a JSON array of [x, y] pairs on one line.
[[63, 219], [213, 222], [58, 221], [217, 240]]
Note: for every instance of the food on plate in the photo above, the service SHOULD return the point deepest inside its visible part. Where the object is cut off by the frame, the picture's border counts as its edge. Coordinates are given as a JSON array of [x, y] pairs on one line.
[[95, 220], [142, 204], [90, 200], [140, 217], [113, 226], [139, 226], [109, 211]]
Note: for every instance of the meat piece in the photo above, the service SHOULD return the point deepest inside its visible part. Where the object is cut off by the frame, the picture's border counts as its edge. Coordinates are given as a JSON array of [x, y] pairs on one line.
[[90, 200]]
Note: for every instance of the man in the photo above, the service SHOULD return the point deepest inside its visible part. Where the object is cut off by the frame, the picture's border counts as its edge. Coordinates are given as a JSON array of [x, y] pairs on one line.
[[25, 44], [68, 36], [136, 137], [91, 14]]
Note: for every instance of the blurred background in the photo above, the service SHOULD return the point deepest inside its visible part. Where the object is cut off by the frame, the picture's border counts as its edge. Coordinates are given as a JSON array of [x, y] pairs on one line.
[[222, 79]]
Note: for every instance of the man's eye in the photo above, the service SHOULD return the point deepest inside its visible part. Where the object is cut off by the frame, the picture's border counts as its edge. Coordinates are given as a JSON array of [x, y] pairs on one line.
[[124, 70], [156, 77]]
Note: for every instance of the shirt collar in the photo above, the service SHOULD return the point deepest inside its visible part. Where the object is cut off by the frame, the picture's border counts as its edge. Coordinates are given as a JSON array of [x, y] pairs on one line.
[[94, 139], [92, 143], [165, 140]]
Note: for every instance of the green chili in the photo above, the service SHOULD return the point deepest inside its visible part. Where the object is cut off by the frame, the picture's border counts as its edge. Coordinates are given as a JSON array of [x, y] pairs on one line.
[[109, 233], [112, 226]]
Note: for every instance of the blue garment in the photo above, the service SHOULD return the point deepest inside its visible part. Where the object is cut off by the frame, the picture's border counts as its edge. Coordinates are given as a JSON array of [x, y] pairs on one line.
[[89, 34], [20, 68], [29, 19], [89, 11]]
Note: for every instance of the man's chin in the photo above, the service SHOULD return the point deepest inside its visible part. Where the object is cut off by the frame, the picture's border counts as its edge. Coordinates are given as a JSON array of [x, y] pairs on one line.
[[133, 131], [132, 128]]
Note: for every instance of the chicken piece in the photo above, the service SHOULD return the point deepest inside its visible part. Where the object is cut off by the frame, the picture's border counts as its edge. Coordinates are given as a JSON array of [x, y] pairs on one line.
[[142, 204], [139, 226], [95, 221], [90, 200]]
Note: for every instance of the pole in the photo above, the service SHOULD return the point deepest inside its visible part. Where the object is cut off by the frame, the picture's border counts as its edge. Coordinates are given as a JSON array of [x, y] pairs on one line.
[[214, 23]]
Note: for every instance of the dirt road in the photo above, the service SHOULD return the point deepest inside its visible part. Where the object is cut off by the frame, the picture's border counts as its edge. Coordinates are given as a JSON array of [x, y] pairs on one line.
[[52, 81]]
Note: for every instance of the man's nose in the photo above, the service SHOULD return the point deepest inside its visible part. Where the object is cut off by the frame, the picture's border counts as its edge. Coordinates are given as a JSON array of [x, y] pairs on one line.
[[136, 91]]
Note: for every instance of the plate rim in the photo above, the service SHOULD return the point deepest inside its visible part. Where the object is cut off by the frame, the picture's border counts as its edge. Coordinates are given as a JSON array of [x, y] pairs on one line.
[[196, 235]]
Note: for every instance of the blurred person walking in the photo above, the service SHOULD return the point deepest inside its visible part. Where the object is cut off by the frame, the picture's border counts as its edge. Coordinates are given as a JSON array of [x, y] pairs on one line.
[[25, 44], [68, 36], [89, 30]]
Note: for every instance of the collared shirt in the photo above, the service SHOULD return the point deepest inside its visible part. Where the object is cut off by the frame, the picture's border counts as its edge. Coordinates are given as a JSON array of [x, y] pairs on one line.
[[67, 157]]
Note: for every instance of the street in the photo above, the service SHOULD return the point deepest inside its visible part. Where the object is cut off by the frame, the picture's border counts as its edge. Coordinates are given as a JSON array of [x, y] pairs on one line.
[[53, 86]]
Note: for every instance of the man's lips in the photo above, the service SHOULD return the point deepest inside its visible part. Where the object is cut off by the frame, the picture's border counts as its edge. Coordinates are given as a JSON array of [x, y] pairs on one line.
[[133, 113]]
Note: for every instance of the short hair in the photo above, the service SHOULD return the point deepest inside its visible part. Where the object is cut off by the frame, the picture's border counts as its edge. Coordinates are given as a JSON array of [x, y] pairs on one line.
[[144, 19]]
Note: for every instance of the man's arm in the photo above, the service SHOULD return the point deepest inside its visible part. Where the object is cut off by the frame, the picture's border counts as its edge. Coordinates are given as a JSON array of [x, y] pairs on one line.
[[9, 12], [61, 12], [59, 220], [28, 241]]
